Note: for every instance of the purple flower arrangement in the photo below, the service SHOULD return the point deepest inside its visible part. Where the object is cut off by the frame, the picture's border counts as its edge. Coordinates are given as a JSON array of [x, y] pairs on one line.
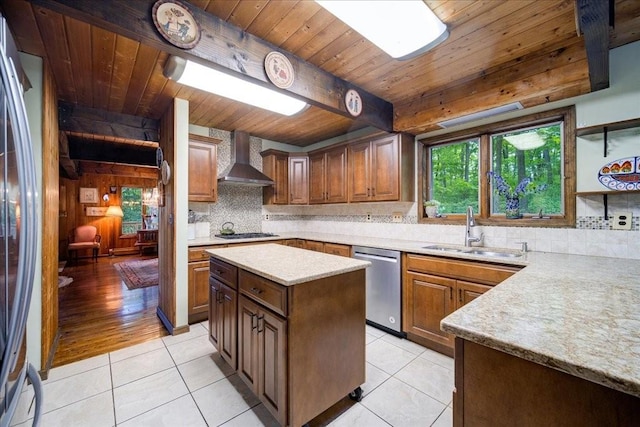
[[512, 196]]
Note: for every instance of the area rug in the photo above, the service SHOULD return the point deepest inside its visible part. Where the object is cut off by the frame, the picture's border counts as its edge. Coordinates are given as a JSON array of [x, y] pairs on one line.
[[138, 274]]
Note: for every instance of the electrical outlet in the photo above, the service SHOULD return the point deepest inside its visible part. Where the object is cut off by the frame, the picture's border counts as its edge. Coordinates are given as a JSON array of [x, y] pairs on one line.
[[396, 217], [368, 219], [622, 221]]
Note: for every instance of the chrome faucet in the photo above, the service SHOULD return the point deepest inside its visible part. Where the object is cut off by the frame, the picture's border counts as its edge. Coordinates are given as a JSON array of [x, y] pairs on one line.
[[470, 223]]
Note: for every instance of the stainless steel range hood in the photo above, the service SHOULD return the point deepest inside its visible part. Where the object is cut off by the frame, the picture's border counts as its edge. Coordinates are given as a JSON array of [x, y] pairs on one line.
[[240, 172]]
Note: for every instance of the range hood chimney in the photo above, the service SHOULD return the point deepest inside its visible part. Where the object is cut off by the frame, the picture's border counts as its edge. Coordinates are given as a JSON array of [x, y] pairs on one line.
[[240, 172]]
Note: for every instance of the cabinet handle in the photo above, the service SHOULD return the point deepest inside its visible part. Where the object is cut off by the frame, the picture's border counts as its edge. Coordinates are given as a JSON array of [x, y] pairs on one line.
[[460, 295], [373, 191], [220, 297], [258, 323], [218, 272], [368, 192], [256, 291], [450, 293], [253, 316]]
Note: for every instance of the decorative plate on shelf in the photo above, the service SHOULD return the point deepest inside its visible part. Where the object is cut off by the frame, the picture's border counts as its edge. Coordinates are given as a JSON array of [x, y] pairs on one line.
[[621, 175], [353, 102], [165, 172], [175, 23], [279, 70]]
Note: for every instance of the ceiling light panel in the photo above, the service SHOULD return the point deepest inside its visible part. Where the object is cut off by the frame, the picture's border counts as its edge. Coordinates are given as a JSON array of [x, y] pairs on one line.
[[403, 29]]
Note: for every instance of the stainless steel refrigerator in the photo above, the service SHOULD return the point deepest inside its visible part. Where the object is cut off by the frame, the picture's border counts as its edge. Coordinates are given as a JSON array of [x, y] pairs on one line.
[[18, 235]]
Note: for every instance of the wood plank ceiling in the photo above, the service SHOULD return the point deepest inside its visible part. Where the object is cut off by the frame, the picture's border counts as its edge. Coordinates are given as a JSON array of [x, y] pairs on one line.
[[498, 52]]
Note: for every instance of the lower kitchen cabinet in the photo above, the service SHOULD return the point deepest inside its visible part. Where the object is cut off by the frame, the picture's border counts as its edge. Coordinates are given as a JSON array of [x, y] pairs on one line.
[[328, 248], [198, 291], [262, 355], [223, 320], [435, 287]]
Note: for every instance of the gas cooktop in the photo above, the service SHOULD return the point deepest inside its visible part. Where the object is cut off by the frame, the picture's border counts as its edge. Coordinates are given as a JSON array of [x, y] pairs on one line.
[[245, 235]]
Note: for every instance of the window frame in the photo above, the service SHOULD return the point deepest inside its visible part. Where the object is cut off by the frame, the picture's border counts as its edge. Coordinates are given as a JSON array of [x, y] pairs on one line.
[[484, 132]]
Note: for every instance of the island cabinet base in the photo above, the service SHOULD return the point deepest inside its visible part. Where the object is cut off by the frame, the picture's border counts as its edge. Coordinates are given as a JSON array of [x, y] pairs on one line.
[[300, 348], [493, 388]]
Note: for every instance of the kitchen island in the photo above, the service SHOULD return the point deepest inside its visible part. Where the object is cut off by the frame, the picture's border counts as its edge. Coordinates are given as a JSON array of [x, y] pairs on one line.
[[292, 323], [556, 344]]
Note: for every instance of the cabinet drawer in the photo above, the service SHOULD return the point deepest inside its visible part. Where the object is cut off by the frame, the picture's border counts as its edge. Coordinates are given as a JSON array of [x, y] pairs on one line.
[[199, 254], [491, 274], [264, 291], [336, 249], [224, 272]]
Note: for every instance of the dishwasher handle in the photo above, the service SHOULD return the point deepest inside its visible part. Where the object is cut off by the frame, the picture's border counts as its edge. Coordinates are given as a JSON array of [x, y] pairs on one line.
[[375, 257]]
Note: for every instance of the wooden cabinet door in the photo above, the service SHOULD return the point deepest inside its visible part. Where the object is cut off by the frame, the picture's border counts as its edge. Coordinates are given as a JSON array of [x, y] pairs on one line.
[[203, 170], [468, 291], [359, 170], [272, 362], [314, 246], [215, 312], [336, 175], [385, 169], [198, 290], [276, 167], [248, 342], [228, 326], [317, 192], [428, 300], [298, 180]]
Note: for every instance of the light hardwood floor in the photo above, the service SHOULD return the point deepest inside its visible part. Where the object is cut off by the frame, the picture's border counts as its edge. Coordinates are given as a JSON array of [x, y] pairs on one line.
[[99, 314]]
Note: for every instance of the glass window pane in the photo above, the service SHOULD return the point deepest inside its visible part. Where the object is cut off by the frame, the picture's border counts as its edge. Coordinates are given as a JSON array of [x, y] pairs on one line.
[[132, 209], [454, 175], [529, 161]]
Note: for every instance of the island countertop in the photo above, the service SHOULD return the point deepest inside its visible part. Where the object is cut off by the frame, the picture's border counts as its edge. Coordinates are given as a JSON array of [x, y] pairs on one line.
[[287, 265]]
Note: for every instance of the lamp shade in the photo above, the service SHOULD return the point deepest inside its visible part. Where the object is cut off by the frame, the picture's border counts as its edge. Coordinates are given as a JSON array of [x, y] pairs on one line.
[[114, 210]]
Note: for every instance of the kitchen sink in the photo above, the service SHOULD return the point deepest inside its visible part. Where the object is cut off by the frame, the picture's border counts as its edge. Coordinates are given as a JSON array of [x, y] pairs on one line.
[[442, 248], [494, 253], [481, 252]]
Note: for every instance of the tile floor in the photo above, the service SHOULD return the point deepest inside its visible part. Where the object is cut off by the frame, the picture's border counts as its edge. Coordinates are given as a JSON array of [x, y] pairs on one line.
[[182, 381]]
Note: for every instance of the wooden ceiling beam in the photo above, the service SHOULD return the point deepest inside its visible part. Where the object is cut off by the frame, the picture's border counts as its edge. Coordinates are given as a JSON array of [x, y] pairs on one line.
[[74, 118], [593, 20], [227, 48], [105, 151]]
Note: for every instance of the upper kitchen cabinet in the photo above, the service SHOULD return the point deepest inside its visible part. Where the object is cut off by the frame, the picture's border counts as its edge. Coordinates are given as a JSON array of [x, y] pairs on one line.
[[203, 169], [298, 180], [275, 165], [381, 169], [328, 176]]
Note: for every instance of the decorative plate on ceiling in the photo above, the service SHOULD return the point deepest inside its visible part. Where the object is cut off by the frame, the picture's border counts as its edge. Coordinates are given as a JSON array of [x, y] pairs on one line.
[[279, 70], [175, 23]]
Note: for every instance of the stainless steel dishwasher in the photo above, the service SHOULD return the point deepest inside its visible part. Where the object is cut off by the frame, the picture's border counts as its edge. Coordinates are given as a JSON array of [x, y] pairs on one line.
[[384, 297]]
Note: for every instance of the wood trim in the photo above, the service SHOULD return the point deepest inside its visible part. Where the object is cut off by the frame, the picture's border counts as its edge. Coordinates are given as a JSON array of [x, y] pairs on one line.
[[201, 138], [566, 114]]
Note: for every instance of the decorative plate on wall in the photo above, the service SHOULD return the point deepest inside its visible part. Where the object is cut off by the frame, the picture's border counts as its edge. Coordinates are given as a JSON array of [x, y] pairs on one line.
[[279, 69], [176, 24], [353, 102], [165, 172]]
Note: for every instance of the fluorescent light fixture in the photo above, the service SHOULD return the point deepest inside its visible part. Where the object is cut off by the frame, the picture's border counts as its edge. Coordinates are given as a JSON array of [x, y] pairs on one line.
[[403, 29], [204, 78], [525, 141], [480, 115]]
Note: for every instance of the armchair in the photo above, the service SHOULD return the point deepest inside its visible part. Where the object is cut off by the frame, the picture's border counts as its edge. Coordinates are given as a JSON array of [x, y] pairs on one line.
[[84, 237]]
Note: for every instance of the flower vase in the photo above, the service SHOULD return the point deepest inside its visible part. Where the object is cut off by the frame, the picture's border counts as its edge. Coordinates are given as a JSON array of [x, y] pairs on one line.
[[512, 208], [431, 211]]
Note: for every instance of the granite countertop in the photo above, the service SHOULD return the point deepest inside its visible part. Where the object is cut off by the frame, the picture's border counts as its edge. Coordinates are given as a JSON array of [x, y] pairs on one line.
[[286, 265], [578, 314]]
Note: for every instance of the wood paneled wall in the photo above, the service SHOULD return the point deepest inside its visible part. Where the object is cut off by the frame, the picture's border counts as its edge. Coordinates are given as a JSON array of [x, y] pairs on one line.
[[49, 203], [73, 213], [166, 227]]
